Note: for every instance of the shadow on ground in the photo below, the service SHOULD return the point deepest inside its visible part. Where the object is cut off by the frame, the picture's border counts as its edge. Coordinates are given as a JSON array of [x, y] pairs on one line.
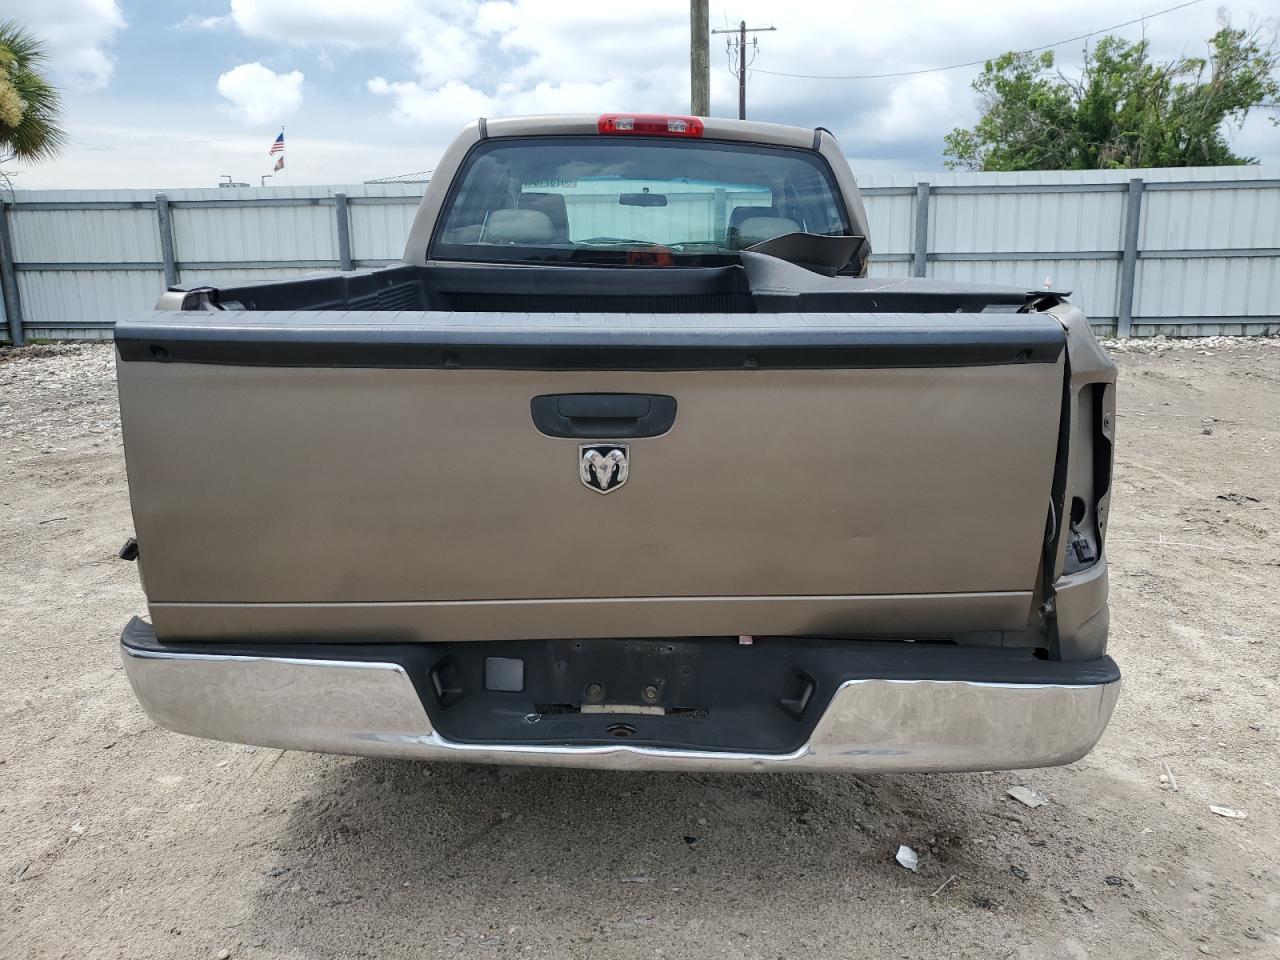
[[438, 857]]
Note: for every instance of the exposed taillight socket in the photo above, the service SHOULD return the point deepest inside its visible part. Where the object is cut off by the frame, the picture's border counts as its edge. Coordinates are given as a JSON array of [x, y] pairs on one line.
[[650, 125]]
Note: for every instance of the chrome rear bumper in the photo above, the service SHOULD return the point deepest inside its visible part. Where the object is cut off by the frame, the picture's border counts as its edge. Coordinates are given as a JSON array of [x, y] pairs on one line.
[[373, 709]]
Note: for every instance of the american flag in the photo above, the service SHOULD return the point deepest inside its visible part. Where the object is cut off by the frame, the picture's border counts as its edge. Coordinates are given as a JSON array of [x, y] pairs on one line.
[[278, 147]]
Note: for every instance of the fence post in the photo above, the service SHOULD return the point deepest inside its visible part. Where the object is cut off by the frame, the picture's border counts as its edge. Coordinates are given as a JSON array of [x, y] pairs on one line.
[[9, 280], [344, 230], [1129, 265], [167, 251], [921, 258]]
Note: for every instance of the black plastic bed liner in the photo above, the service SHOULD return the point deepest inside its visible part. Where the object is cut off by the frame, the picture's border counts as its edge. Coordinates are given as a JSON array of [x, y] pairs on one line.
[[759, 284], [763, 312], [695, 693]]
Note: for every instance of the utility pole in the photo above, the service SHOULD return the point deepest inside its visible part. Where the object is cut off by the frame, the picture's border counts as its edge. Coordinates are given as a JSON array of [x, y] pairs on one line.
[[699, 58], [740, 65]]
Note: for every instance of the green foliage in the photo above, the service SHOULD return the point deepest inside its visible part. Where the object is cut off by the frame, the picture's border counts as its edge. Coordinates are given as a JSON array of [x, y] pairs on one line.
[[1124, 110], [29, 105]]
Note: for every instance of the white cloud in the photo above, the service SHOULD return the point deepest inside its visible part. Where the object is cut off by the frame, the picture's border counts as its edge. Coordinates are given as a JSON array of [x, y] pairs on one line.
[[77, 35], [455, 103], [537, 56], [443, 52], [350, 23], [912, 108], [446, 109], [573, 97], [439, 36], [557, 40], [260, 95], [194, 21]]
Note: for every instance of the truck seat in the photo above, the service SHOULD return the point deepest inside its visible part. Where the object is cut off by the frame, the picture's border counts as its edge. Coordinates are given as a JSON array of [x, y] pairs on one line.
[[755, 227], [553, 205], [517, 226]]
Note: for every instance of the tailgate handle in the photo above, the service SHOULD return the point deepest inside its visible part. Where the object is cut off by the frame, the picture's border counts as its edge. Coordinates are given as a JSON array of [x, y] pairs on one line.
[[599, 416]]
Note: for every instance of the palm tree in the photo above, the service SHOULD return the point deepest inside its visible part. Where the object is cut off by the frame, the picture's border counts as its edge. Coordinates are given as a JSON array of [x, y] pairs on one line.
[[30, 107]]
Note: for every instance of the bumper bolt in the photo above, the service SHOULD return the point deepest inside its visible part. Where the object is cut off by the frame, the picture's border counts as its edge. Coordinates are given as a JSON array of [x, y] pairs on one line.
[[594, 691], [650, 692]]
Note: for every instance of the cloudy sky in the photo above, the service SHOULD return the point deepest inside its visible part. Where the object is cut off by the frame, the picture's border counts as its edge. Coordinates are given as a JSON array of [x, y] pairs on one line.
[[169, 94]]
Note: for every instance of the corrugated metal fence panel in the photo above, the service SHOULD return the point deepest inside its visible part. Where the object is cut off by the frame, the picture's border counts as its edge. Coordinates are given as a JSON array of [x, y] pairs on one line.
[[59, 236], [379, 230], [221, 234], [1025, 222], [63, 299], [1185, 289], [987, 224], [1009, 213], [1178, 290], [1021, 229], [892, 222], [892, 268], [1175, 219]]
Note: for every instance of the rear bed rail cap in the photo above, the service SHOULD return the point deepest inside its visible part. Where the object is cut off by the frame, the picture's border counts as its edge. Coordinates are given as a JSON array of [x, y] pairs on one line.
[[589, 340]]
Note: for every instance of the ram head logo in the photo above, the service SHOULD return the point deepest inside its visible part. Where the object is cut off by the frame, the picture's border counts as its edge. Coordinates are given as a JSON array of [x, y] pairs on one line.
[[603, 467]]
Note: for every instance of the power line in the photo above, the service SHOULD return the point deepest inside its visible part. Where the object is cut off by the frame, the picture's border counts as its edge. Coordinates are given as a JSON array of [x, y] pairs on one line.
[[742, 62], [974, 63]]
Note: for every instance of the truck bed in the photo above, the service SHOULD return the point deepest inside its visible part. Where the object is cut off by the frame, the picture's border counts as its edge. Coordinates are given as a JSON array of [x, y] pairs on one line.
[[760, 284]]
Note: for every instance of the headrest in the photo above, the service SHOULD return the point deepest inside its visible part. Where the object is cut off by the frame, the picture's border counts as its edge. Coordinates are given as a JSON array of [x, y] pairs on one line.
[[754, 230], [553, 205], [738, 214], [517, 226]]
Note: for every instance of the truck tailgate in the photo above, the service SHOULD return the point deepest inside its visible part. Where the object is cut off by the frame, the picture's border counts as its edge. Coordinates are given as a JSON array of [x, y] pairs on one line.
[[381, 476]]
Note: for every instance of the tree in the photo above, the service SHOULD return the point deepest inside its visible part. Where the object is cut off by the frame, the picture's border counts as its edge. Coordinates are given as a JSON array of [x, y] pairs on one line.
[[30, 107], [1124, 110]]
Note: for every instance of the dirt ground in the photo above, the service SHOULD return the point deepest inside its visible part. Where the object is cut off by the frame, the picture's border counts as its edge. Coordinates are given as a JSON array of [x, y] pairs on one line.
[[118, 839]]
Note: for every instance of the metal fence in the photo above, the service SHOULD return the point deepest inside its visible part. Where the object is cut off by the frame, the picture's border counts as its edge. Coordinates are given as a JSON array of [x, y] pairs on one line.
[[1167, 251]]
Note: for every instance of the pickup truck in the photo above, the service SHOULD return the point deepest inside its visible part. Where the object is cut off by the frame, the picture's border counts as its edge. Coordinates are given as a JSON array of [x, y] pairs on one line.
[[628, 464]]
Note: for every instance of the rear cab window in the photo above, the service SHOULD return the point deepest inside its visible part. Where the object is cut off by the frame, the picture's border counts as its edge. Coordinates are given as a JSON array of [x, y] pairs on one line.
[[636, 200]]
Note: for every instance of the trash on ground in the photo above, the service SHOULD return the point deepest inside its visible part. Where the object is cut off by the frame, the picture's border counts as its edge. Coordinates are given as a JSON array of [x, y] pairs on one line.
[[1173, 783], [1032, 798], [1229, 813], [1020, 874], [945, 883], [907, 857], [1238, 498]]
